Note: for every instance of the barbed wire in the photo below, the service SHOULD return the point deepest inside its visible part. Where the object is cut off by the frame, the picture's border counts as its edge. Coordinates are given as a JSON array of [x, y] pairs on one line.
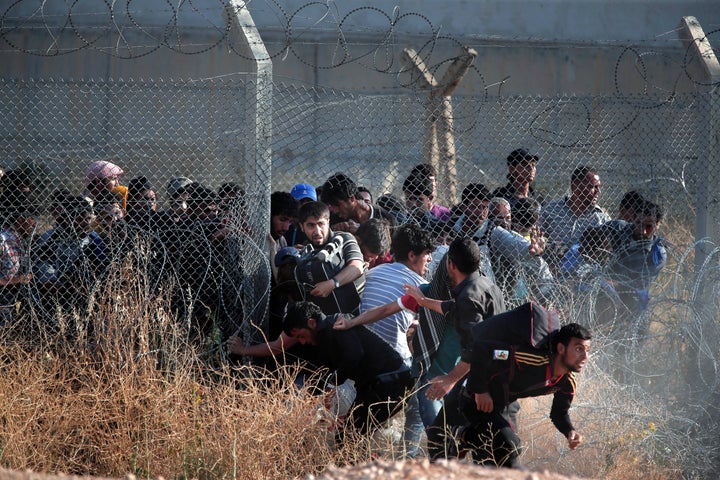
[[322, 130], [130, 30]]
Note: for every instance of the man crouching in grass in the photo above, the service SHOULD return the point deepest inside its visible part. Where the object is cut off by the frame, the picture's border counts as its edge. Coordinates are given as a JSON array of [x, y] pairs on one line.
[[380, 375]]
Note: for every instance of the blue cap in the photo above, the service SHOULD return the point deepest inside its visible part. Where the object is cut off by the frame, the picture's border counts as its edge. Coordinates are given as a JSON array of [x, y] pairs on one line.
[[303, 190], [286, 255]]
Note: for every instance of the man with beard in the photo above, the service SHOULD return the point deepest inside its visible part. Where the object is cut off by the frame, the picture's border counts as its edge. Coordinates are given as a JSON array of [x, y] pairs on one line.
[[340, 194], [563, 220], [501, 373], [330, 270]]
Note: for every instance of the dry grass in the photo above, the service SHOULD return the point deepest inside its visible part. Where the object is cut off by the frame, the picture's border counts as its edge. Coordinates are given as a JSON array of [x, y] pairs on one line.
[[135, 397]]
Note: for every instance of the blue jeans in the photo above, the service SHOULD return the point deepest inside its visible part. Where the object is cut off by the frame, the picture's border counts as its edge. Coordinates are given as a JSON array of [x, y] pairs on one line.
[[414, 427], [428, 408]]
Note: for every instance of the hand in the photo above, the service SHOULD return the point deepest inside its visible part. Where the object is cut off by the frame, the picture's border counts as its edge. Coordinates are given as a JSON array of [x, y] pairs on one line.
[[343, 323], [484, 402], [323, 289], [235, 345], [414, 292], [574, 439], [537, 242], [439, 387]]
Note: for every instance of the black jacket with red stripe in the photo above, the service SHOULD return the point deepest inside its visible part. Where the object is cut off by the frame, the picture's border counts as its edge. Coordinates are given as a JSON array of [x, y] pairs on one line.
[[511, 372]]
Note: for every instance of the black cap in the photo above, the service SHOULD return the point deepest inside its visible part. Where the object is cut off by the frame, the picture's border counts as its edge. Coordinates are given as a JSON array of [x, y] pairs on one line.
[[521, 155]]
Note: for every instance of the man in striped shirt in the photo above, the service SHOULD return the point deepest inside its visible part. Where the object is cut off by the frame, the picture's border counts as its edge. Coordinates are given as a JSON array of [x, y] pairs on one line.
[[411, 248]]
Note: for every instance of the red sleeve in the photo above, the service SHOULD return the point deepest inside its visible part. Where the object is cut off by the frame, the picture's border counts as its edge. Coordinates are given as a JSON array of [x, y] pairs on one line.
[[407, 302]]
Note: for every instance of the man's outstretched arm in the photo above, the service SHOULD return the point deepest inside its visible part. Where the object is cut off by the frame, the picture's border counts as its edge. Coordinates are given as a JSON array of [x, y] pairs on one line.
[[373, 315], [279, 345]]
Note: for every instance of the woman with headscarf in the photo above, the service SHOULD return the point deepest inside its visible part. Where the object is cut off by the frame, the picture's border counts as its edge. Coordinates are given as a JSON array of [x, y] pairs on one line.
[[102, 175]]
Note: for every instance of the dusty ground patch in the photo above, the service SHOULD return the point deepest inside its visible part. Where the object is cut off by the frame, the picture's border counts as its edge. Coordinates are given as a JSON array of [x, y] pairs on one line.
[[422, 469]]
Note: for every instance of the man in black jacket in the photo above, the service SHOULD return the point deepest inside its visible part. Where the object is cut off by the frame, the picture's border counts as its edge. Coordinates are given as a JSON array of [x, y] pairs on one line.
[[381, 378], [500, 374]]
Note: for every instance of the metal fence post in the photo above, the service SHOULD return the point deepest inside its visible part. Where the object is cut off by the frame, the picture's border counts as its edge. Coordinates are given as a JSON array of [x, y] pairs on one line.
[[708, 203], [257, 163]]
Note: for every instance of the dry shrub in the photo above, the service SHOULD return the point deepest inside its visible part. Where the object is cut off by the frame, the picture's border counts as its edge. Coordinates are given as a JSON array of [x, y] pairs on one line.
[[130, 394]]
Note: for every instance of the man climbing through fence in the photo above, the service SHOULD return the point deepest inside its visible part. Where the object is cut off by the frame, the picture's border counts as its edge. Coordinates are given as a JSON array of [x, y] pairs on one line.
[[518, 354]]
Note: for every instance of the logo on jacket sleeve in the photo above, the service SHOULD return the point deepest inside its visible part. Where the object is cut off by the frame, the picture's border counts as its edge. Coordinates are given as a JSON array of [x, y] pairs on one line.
[[501, 354]]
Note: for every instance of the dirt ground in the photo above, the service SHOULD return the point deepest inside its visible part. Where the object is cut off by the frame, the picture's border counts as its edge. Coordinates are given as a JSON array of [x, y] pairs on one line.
[[422, 469], [385, 470]]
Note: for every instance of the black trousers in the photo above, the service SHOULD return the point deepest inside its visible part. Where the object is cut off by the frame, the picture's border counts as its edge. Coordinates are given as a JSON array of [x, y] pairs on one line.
[[461, 426], [378, 401]]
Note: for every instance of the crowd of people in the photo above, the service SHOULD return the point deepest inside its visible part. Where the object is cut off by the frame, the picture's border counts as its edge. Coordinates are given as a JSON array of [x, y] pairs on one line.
[[107, 233], [386, 293], [422, 276]]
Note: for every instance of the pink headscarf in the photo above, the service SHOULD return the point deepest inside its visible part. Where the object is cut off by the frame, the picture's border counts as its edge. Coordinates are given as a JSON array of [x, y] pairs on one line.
[[100, 169]]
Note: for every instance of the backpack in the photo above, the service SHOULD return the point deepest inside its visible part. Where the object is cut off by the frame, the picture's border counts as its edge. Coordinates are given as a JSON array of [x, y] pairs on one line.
[[529, 324], [317, 265]]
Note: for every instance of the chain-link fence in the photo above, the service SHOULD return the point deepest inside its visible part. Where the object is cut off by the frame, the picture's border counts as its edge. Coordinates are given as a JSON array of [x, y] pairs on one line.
[[204, 247], [167, 129]]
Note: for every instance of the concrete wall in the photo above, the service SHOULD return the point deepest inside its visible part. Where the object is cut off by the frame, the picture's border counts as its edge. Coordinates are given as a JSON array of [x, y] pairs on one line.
[[544, 47]]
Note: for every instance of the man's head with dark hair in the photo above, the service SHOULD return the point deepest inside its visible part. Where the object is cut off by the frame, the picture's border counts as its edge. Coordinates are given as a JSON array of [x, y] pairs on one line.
[[571, 345], [648, 216], [337, 188], [109, 212], [418, 185], [231, 195], [18, 212], [313, 209], [314, 221], [340, 194], [282, 203], [300, 321], [201, 202], [141, 195], [584, 187], [571, 330], [365, 195], [283, 209], [410, 238], [525, 214], [424, 170], [137, 186], [464, 253], [373, 237], [521, 166], [628, 204], [474, 202], [76, 215], [419, 192], [474, 191], [390, 203]]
